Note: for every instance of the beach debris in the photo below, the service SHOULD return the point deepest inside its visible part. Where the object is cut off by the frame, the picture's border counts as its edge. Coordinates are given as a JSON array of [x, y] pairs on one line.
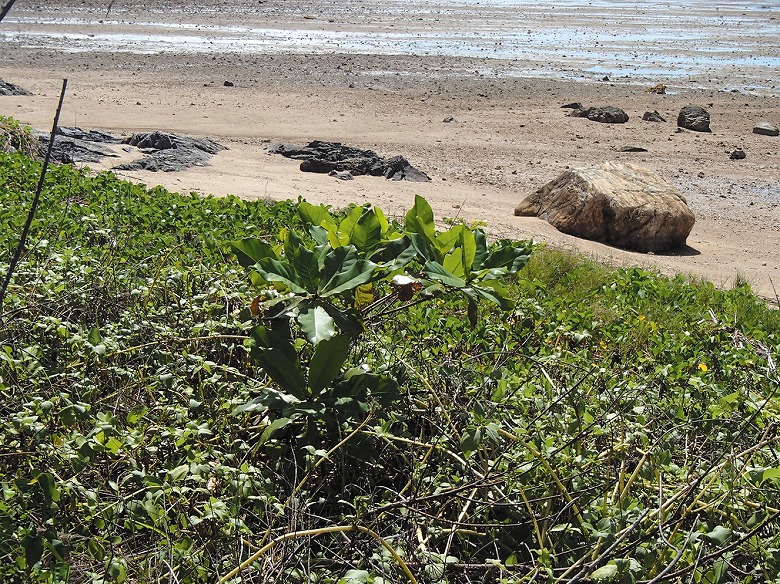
[[653, 116], [694, 117], [325, 157], [737, 154], [766, 129], [7, 88], [605, 115], [617, 203], [170, 152], [659, 89]]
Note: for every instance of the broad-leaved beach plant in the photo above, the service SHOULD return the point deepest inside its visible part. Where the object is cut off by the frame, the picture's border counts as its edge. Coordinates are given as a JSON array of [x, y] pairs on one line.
[[318, 296]]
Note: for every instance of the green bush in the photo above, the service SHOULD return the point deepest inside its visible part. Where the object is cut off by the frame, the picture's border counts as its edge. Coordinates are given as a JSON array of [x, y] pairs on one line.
[[15, 137], [610, 425]]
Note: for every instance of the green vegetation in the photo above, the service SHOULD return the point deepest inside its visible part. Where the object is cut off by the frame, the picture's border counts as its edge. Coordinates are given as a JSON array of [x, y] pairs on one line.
[[200, 390], [15, 137]]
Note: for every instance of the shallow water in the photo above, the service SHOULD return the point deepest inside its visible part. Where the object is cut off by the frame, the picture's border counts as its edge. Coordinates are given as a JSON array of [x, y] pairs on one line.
[[689, 39]]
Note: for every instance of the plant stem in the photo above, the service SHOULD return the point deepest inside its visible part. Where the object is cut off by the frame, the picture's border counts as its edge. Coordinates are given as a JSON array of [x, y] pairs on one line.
[[36, 199]]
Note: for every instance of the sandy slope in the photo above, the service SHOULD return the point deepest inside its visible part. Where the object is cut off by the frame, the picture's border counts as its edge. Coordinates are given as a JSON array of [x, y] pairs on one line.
[[509, 136]]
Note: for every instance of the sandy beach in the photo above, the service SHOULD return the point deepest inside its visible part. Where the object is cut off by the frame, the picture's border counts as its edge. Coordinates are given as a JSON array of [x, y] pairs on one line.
[[385, 76]]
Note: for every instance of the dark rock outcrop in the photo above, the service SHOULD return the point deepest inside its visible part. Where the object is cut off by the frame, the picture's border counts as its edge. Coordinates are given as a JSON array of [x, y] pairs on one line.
[[327, 157], [7, 88], [605, 115], [170, 152], [74, 145], [694, 117], [617, 203]]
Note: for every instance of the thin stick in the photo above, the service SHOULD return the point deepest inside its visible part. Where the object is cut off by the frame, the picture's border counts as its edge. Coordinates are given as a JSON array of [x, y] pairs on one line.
[[37, 198], [6, 9], [777, 298], [109, 8]]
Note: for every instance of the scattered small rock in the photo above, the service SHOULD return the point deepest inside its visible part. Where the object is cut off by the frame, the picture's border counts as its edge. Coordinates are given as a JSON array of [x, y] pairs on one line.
[[737, 154], [605, 115], [694, 117], [659, 89], [653, 116], [346, 175], [7, 88], [766, 129], [448, 120], [228, 84], [573, 105], [632, 149], [605, 78]]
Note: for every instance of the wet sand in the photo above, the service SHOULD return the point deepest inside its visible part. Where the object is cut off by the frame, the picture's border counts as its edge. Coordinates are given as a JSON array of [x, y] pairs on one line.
[[383, 84]]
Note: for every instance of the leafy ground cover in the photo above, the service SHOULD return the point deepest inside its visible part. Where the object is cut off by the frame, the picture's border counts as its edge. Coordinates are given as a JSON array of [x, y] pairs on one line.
[[186, 397]]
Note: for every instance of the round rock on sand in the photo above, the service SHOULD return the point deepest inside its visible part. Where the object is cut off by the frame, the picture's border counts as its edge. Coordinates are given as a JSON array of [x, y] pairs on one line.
[[616, 203]]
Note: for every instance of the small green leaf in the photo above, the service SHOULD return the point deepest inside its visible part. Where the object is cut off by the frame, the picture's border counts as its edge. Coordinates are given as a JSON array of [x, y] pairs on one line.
[[316, 324], [436, 271], [347, 226], [720, 535], [278, 359], [315, 214], [394, 254], [348, 321], [329, 356], [453, 263], [471, 440], [179, 473], [319, 234], [305, 262], [48, 486], [494, 291], [94, 337], [273, 428], [446, 240], [251, 250], [117, 571], [367, 232], [343, 270], [720, 570], [604, 574], [480, 249], [273, 270], [419, 219], [355, 577]]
